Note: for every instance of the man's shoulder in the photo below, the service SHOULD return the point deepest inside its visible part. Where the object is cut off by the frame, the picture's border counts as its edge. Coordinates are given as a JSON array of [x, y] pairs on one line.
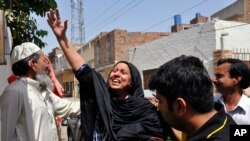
[[16, 86], [244, 102], [220, 130], [13, 92], [246, 98]]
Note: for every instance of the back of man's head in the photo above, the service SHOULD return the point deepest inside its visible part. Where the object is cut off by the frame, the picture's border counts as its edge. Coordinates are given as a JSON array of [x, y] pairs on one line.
[[20, 56], [185, 77]]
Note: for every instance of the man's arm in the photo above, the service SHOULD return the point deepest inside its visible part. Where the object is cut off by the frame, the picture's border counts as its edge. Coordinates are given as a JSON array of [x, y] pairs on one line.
[[64, 107]]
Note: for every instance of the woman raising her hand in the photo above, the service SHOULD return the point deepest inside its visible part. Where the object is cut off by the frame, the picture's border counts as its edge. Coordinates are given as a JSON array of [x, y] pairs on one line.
[[116, 110]]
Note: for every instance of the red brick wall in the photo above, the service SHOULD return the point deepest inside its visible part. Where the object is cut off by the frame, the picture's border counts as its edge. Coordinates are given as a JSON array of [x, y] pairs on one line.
[[177, 28], [247, 12], [238, 16], [201, 19], [220, 54], [121, 42]]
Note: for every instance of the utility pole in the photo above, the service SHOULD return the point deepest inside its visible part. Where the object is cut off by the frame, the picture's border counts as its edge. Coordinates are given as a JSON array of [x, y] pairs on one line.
[[77, 22]]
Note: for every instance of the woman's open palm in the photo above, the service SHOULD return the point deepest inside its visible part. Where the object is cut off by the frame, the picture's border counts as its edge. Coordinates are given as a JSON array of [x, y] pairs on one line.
[[59, 28]]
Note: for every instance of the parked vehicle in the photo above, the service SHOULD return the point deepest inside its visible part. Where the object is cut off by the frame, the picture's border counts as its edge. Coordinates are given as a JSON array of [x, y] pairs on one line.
[[73, 128]]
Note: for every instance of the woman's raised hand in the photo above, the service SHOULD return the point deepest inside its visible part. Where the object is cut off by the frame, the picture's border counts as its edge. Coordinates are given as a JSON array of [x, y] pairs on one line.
[[59, 28]]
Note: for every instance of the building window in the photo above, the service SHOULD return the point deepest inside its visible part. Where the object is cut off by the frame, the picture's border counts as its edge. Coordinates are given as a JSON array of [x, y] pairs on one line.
[[98, 52], [108, 47]]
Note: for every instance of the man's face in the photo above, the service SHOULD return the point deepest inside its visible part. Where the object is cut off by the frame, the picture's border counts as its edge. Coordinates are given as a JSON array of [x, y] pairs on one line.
[[223, 82], [41, 64], [40, 67], [163, 108]]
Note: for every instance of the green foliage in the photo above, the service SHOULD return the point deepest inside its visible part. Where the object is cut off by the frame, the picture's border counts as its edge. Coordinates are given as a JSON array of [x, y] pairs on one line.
[[22, 25]]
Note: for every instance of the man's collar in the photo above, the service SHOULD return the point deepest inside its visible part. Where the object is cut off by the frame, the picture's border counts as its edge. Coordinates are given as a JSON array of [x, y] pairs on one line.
[[243, 102], [34, 83]]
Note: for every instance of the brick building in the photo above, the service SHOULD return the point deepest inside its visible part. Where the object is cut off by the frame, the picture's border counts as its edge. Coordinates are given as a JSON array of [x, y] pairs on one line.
[[115, 46], [238, 11], [101, 53]]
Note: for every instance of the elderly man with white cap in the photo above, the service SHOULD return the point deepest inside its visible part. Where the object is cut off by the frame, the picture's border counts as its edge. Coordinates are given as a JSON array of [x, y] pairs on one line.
[[27, 106]]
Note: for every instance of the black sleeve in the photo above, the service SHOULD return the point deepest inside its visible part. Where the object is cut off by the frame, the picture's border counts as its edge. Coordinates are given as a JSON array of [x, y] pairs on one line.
[[88, 102]]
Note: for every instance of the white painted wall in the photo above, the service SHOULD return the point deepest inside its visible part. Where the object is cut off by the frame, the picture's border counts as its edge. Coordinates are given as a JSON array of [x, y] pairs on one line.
[[200, 41], [189, 42], [237, 34], [5, 69]]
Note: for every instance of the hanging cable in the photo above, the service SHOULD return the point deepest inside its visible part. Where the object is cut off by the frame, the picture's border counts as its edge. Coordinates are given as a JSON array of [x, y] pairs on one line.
[[163, 21], [104, 12], [116, 16]]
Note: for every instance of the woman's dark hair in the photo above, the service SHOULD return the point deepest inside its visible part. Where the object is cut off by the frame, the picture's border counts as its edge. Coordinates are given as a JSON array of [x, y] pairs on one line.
[[22, 67], [136, 82]]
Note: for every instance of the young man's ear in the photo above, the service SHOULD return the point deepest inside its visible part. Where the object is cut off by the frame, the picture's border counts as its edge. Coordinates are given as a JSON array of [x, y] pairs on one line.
[[180, 106]]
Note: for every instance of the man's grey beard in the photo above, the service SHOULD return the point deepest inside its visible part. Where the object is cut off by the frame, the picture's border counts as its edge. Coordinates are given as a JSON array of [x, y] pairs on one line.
[[45, 81]]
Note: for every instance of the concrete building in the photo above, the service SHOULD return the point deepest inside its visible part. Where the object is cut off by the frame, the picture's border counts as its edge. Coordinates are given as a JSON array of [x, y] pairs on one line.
[[201, 40]]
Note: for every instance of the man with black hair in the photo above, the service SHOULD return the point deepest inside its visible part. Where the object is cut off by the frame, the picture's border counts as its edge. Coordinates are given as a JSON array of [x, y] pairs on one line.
[[28, 106], [232, 76], [186, 102]]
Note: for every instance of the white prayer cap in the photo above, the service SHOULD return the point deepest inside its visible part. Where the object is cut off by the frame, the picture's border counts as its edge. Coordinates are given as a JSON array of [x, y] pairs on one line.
[[23, 51]]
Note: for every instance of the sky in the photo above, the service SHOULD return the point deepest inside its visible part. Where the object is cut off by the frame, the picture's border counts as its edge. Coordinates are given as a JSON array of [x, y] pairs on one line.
[[131, 15]]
